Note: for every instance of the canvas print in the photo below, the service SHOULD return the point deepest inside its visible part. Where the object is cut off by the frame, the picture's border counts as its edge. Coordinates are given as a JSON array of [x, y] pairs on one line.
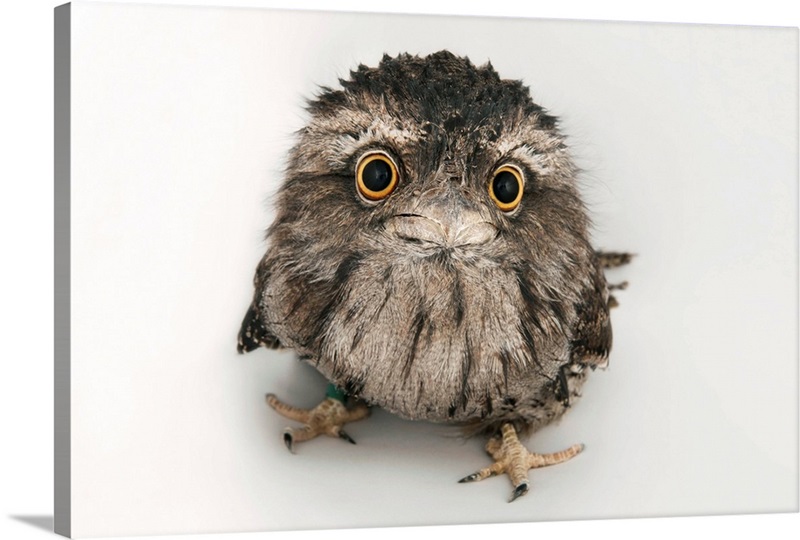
[[338, 284]]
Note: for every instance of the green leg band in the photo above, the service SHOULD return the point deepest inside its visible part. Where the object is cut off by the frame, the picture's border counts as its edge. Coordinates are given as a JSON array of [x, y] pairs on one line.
[[333, 391]]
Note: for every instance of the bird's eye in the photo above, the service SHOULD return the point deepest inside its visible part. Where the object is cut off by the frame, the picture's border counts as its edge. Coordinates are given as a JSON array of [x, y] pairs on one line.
[[376, 176], [506, 187]]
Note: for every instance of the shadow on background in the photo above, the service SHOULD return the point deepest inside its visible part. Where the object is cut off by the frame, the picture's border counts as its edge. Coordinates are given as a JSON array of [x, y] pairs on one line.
[[41, 522]]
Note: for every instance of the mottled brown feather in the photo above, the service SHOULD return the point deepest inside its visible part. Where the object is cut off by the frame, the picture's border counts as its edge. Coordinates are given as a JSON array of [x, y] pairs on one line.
[[434, 303]]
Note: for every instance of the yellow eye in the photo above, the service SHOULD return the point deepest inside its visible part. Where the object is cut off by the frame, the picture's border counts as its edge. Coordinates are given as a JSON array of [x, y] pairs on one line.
[[376, 176], [506, 187]]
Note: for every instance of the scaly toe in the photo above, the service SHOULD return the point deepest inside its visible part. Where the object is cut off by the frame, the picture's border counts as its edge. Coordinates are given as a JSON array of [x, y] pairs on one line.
[[326, 418], [513, 459]]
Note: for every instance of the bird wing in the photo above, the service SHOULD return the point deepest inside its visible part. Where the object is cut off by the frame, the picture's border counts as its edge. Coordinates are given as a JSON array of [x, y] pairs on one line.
[[254, 332], [591, 338]]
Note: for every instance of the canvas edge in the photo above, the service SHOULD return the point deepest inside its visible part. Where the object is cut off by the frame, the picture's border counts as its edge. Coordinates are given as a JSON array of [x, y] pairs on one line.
[[61, 203]]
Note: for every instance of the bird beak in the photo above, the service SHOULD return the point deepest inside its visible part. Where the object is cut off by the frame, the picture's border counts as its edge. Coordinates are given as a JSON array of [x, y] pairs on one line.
[[443, 219]]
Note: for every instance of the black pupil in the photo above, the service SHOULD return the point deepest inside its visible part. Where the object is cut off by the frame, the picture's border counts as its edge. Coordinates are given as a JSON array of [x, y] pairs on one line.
[[505, 187], [377, 175]]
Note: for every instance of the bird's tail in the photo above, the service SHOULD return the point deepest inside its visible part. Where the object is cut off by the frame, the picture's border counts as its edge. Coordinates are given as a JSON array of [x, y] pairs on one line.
[[612, 259]]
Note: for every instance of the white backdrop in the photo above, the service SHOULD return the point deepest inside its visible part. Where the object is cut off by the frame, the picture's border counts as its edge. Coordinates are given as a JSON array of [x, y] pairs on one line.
[[181, 118]]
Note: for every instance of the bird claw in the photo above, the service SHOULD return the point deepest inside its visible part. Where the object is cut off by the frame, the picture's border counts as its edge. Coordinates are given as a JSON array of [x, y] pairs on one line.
[[346, 437], [326, 418], [470, 478], [519, 491], [288, 440], [513, 459]]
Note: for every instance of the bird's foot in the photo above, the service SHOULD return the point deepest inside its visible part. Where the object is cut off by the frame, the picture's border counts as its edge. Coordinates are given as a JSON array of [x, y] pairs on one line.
[[327, 418], [513, 459]]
